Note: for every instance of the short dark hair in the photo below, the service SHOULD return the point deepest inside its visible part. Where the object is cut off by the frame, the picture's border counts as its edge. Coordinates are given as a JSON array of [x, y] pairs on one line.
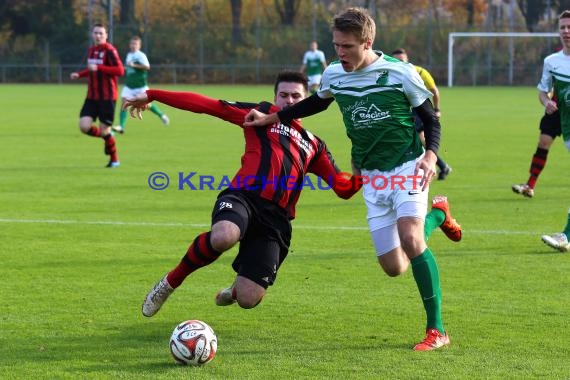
[[291, 76], [99, 25]]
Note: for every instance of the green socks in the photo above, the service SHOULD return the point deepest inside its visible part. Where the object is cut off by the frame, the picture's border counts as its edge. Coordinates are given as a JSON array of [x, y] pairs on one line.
[[123, 115], [155, 110], [433, 220], [123, 118], [426, 274]]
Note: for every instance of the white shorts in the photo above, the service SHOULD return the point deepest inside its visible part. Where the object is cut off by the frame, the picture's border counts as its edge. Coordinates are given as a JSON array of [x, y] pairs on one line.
[[128, 92], [314, 79], [389, 196]]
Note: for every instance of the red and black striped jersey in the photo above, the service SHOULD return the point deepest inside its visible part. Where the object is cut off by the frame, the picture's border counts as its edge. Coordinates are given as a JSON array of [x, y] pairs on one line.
[[277, 157], [102, 84]]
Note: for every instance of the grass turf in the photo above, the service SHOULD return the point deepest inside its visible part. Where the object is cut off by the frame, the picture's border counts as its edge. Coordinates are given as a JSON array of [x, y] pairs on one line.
[[80, 246]]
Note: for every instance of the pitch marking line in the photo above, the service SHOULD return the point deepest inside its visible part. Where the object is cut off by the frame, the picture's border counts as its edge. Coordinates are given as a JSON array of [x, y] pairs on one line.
[[202, 225]]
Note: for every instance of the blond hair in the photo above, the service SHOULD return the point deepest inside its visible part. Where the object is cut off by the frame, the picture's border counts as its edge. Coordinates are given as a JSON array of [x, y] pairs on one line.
[[356, 21]]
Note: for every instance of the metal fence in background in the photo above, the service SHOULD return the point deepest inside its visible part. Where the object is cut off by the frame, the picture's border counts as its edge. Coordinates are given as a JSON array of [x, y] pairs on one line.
[[473, 74], [161, 73]]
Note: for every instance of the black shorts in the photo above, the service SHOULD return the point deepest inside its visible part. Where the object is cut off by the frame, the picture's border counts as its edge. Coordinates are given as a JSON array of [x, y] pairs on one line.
[[550, 125], [104, 110], [265, 234]]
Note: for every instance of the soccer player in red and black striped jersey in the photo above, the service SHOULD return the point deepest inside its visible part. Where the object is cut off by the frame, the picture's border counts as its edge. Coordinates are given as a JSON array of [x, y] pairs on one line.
[[103, 67], [257, 208]]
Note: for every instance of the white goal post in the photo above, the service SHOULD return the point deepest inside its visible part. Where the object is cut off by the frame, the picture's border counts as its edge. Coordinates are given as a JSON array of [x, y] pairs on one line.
[[453, 35]]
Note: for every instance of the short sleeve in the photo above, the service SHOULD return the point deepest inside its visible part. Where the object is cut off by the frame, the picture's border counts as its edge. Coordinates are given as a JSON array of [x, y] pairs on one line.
[[414, 87]]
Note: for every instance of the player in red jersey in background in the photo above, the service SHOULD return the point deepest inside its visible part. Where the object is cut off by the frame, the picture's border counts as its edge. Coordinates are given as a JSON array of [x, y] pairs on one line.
[[257, 209], [103, 67]]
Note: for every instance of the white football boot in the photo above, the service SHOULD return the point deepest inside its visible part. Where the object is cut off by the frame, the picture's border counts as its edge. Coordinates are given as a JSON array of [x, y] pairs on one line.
[[557, 241], [156, 297]]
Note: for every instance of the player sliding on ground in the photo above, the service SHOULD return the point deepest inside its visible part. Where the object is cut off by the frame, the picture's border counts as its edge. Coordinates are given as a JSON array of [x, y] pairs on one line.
[[258, 216]]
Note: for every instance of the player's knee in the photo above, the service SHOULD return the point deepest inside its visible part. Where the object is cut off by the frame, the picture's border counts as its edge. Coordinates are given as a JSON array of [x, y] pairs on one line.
[[84, 128], [249, 300], [395, 263], [248, 293], [224, 236], [411, 242], [396, 269], [413, 247], [545, 141], [222, 243]]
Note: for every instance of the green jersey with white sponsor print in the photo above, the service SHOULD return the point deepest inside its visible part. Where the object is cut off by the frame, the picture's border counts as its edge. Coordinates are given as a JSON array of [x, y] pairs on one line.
[[136, 78], [556, 76], [375, 103]]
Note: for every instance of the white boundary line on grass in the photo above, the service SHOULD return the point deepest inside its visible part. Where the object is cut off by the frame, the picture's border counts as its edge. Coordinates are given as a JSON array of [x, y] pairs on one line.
[[201, 225]]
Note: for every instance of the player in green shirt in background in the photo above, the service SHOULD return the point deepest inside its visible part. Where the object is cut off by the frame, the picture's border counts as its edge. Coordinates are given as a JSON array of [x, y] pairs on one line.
[[136, 82], [314, 62]]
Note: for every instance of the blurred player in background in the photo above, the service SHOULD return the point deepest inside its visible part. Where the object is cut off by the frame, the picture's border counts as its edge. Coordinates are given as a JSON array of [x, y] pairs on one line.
[[103, 68], [549, 129], [402, 55], [314, 63], [559, 241], [255, 212], [375, 94], [136, 82], [553, 90]]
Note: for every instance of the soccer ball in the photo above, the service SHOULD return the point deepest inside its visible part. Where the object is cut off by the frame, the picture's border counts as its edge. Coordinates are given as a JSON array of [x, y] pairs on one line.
[[193, 342]]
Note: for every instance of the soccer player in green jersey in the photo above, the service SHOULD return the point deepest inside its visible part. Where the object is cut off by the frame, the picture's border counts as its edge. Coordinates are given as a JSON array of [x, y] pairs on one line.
[[136, 82], [314, 62], [375, 94]]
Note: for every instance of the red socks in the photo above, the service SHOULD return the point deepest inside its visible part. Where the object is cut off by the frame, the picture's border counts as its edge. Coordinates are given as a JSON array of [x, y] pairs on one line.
[[94, 131], [110, 148], [199, 254], [537, 165]]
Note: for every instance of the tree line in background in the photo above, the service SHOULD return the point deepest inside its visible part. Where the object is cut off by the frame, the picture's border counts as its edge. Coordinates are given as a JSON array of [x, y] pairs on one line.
[[251, 33]]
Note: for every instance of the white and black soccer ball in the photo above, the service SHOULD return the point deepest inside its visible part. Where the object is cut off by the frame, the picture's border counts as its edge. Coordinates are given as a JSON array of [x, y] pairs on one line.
[[193, 342]]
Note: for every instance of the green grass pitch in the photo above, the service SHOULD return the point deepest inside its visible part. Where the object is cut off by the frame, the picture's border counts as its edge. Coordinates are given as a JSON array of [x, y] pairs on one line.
[[80, 245]]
